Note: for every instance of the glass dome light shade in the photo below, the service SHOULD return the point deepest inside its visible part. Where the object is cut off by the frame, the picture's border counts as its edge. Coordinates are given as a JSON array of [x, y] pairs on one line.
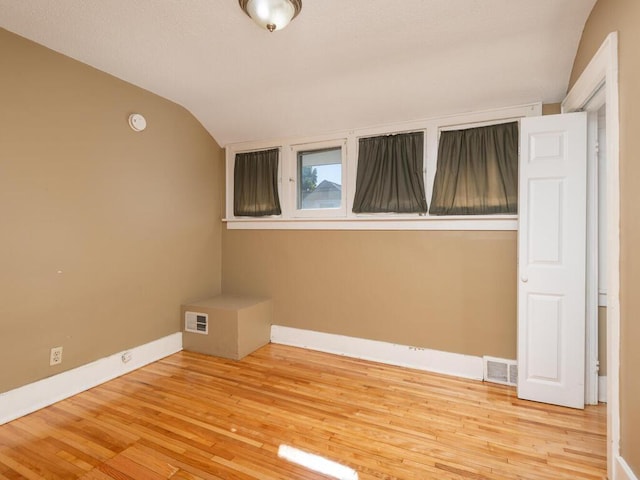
[[272, 14]]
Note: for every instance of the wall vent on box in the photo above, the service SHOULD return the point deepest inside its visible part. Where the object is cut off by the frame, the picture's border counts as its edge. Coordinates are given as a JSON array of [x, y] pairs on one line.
[[196, 322], [499, 370]]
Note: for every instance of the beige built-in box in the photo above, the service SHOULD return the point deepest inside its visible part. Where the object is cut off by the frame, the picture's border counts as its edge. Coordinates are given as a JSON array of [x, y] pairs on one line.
[[228, 326]]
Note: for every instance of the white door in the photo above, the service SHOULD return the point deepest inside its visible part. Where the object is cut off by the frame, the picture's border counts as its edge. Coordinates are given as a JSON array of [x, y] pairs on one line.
[[552, 262]]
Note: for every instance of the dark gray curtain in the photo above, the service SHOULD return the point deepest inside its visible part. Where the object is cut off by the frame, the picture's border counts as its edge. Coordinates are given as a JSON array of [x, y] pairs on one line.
[[477, 171], [255, 184], [390, 174]]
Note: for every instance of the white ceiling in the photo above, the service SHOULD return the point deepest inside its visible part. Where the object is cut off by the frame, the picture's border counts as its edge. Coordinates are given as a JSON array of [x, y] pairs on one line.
[[341, 64]]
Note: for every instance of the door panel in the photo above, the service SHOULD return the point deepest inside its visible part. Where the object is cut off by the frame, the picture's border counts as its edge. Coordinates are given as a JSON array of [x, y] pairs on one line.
[[545, 328], [551, 265], [545, 207]]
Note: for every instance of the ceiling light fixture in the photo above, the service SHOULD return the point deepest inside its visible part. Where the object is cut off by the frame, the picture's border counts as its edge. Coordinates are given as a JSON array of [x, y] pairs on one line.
[[271, 14]]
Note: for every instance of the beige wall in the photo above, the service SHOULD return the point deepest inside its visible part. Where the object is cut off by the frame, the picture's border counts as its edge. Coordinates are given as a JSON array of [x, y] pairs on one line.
[[452, 291], [551, 108], [624, 16], [131, 219], [602, 340]]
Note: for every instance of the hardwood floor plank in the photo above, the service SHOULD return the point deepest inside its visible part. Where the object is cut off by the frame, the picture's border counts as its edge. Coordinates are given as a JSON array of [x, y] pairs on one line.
[[16, 466], [147, 459], [195, 417]]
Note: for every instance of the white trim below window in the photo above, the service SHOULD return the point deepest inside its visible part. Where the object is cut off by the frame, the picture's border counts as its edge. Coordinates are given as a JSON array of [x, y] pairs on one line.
[[506, 222]]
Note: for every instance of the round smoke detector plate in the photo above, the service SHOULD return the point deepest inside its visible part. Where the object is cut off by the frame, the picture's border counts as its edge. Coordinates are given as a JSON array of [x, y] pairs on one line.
[[137, 122]]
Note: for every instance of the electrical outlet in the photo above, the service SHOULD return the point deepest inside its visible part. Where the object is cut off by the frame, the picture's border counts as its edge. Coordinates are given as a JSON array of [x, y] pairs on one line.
[[56, 356]]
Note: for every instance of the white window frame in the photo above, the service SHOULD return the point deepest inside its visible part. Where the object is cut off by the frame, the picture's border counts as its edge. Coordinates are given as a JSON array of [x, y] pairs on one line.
[[324, 219], [293, 180]]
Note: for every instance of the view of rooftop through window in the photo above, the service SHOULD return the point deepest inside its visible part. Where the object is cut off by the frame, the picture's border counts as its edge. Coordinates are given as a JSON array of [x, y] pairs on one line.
[[320, 178]]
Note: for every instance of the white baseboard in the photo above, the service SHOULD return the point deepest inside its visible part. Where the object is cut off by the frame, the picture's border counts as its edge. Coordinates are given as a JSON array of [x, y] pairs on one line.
[[34, 396], [623, 470], [456, 364], [602, 389]]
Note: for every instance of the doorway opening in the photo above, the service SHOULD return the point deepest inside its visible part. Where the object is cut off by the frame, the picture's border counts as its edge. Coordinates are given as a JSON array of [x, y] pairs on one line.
[[600, 77]]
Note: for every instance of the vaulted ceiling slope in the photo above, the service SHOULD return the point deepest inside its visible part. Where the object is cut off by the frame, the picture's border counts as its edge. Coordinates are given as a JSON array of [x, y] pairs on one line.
[[341, 64]]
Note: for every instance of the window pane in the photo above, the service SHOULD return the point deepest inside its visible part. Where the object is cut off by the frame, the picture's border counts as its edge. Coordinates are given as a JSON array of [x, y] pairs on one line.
[[320, 179]]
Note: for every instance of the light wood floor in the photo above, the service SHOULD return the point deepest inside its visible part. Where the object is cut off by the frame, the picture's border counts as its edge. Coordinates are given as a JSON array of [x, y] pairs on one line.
[[190, 416]]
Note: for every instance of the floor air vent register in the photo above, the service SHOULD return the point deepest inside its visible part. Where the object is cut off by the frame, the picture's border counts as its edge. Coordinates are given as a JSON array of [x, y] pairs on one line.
[[499, 370]]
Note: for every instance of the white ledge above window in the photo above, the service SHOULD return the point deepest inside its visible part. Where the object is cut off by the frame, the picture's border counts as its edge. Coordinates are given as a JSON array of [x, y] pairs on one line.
[[458, 222]]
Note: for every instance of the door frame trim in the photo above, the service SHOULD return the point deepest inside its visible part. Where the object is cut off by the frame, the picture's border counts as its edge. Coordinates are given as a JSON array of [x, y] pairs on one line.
[[603, 70], [593, 223]]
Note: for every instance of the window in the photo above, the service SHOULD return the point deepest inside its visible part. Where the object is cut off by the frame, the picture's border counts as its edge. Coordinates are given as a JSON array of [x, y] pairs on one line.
[[477, 171], [255, 184], [319, 179], [391, 174], [337, 181]]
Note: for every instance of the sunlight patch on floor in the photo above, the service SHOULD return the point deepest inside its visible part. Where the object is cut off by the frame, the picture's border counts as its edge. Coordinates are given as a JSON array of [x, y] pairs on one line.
[[317, 463]]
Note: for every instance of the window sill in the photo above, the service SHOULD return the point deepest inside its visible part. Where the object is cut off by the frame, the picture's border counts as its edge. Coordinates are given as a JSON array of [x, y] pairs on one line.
[[483, 222]]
